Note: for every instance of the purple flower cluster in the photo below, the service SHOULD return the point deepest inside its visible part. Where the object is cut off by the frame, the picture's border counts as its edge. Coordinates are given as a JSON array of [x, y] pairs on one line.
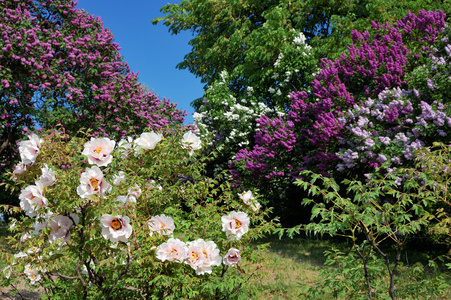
[[365, 109], [59, 65]]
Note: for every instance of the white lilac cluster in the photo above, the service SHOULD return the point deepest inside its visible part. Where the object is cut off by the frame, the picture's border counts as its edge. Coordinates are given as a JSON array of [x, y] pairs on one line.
[[379, 126], [201, 255], [238, 119], [299, 41]]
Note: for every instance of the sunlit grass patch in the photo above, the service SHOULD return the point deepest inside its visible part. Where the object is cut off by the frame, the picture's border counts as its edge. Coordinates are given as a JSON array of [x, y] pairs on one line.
[[288, 263]]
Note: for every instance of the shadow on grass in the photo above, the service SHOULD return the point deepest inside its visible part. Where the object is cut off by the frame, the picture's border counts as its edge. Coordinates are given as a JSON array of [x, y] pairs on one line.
[[302, 248]]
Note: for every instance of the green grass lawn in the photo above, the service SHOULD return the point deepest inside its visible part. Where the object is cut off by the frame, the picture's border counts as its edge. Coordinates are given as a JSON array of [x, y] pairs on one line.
[[292, 264]]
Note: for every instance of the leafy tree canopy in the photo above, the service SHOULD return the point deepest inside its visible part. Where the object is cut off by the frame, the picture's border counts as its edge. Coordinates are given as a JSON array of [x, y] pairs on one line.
[[59, 65], [245, 37]]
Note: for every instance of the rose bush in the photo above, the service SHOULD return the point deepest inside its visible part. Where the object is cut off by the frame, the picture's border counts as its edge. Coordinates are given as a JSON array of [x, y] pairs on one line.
[[84, 241]]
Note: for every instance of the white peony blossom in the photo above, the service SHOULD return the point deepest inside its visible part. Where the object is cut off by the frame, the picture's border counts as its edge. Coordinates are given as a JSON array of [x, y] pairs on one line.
[[152, 184], [20, 255], [116, 228], [7, 272], [99, 151], [118, 178], [202, 255], [249, 200], [29, 149], [47, 178], [125, 146], [61, 226], [32, 274], [25, 236], [132, 196], [172, 250], [235, 224], [92, 183], [19, 169], [232, 257], [148, 140], [191, 141], [31, 199], [161, 224]]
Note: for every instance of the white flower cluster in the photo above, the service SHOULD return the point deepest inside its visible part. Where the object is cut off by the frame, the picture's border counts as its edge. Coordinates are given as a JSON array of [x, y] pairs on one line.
[[201, 255], [240, 115], [99, 153], [300, 41]]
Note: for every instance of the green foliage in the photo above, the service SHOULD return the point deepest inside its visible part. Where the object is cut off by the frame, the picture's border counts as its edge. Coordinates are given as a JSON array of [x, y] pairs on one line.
[[245, 37], [379, 217], [90, 266]]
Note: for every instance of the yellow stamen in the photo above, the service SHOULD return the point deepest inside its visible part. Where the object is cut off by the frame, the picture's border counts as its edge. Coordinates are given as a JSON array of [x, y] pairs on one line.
[[98, 150], [116, 224], [94, 183], [162, 227], [172, 251], [237, 223], [205, 253], [193, 256], [33, 275]]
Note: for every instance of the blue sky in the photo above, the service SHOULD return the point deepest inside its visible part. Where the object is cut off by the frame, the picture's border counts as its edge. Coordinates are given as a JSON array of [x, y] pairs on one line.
[[150, 49]]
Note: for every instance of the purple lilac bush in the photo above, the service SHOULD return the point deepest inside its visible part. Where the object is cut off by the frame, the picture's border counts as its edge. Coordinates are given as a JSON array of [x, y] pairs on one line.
[[373, 107], [59, 65]]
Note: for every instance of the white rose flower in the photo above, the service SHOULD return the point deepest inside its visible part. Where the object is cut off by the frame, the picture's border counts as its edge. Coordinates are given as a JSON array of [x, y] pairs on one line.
[[38, 226], [29, 149], [161, 224], [116, 228], [172, 250], [92, 183], [31, 199], [232, 257], [148, 140], [99, 151], [191, 141], [12, 224], [235, 224]]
